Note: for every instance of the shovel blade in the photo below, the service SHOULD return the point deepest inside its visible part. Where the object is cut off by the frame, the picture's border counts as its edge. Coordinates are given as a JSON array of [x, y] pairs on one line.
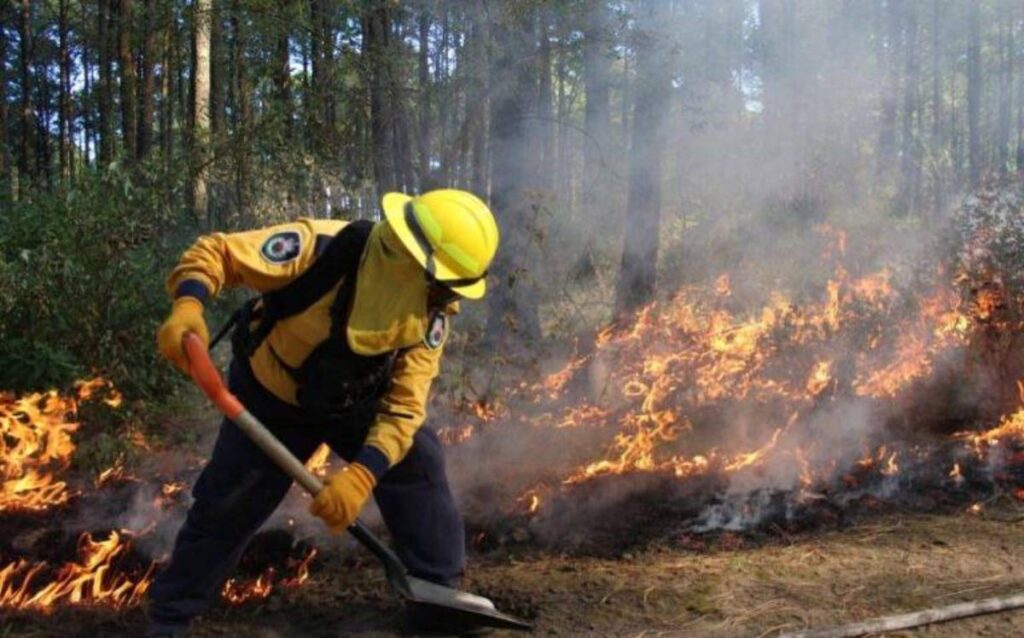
[[460, 610]]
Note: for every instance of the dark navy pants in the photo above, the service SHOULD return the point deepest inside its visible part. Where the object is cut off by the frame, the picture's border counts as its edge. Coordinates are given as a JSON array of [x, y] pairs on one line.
[[240, 487]]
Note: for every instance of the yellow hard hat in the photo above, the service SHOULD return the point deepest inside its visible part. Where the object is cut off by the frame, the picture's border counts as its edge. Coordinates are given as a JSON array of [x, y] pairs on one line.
[[451, 233]]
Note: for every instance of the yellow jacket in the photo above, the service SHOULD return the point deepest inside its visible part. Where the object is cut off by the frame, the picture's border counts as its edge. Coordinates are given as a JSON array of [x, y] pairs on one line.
[[389, 313]]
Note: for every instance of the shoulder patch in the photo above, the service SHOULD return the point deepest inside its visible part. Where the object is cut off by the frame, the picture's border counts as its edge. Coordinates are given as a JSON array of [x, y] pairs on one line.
[[280, 248], [437, 330]]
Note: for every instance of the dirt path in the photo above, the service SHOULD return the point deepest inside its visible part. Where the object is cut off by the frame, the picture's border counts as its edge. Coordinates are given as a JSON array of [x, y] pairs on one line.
[[893, 564]]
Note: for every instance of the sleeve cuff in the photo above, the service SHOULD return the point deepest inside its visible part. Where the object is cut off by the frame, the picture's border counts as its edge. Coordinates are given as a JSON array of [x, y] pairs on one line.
[[374, 460], [192, 288]]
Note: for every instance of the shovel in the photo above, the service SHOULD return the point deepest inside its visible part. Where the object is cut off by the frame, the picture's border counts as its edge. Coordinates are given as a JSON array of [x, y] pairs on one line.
[[459, 609]]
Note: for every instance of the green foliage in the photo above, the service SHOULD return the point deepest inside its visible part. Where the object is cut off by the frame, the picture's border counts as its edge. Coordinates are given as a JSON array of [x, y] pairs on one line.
[[82, 273]]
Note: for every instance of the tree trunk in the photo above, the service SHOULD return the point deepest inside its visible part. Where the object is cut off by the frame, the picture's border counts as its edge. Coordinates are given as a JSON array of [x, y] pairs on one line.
[[201, 134], [478, 58], [330, 113], [953, 130], [241, 110], [315, 101], [88, 132], [890, 92], [512, 303], [543, 126], [64, 117], [148, 81], [126, 62], [5, 149], [168, 95], [637, 275], [597, 46], [910, 161], [1007, 55], [44, 150], [1019, 151], [402, 139], [564, 157], [444, 98], [937, 121], [26, 155], [376, 25], [106, 89], [216, 73], [974, 90], [423, 104], [282, 69]]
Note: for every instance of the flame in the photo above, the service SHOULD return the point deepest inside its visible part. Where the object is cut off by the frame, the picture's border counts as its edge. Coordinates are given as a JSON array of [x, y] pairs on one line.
[[90, 581], [891, 468], [456, 435], [36, 443], [237, 592], [956, 474], [821, 376], [530, 501], [715, 356], [1009, 428], [752, 458], [319, 462], [489, 410], [116, 473], [723, 286], [859, 336]]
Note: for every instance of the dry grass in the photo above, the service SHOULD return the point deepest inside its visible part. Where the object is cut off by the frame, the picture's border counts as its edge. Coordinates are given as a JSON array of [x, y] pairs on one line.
[[895, 563]]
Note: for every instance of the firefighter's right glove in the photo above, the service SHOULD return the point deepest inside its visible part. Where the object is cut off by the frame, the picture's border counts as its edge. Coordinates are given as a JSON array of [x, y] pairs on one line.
[[186, 316]]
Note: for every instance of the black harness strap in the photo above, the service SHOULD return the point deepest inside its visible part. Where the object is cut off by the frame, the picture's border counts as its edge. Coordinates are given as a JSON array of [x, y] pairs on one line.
[[340, 257]]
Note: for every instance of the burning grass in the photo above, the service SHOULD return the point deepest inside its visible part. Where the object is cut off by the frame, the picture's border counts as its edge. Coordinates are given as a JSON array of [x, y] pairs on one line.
[[46, 565], [787, 414], [36, 444], [95, 578]]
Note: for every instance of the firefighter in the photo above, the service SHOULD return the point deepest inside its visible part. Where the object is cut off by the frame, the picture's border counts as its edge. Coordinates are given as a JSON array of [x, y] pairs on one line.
[[340, 347]]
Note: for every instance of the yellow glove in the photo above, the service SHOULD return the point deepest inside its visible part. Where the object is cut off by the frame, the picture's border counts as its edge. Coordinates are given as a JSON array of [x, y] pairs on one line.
[[343, 497], [186, 315]]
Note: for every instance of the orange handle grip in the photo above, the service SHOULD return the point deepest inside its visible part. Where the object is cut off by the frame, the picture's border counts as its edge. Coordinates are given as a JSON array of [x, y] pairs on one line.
[[208, 378]]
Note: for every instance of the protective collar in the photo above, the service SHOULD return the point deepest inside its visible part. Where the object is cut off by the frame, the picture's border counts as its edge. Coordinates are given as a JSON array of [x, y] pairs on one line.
[[389, 309]]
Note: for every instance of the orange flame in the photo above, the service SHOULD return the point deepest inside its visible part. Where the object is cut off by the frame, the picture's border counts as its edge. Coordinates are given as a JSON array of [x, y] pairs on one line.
[[237, 592], [35, 444], [88, 582], [319, 462], [691, 354]]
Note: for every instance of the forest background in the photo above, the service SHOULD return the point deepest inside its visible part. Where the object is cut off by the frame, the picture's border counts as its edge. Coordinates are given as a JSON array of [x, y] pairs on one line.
[[627, 148]]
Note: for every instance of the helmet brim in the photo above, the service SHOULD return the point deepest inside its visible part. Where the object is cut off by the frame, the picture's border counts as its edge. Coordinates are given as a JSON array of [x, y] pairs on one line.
[[394, 212]]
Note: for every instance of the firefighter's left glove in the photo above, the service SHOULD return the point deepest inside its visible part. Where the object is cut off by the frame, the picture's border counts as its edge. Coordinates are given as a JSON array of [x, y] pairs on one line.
[[186, 316], [343, 497]]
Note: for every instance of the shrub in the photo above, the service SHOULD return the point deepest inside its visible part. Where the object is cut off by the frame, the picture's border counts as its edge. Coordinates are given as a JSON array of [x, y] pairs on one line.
[[81, 270]]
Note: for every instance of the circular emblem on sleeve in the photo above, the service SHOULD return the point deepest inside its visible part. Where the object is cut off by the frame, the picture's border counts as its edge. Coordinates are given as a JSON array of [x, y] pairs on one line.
[[437, 330], [281, 247]]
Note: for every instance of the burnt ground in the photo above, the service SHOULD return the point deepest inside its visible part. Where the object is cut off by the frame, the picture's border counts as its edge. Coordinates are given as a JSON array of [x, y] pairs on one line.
[[697, 586]]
